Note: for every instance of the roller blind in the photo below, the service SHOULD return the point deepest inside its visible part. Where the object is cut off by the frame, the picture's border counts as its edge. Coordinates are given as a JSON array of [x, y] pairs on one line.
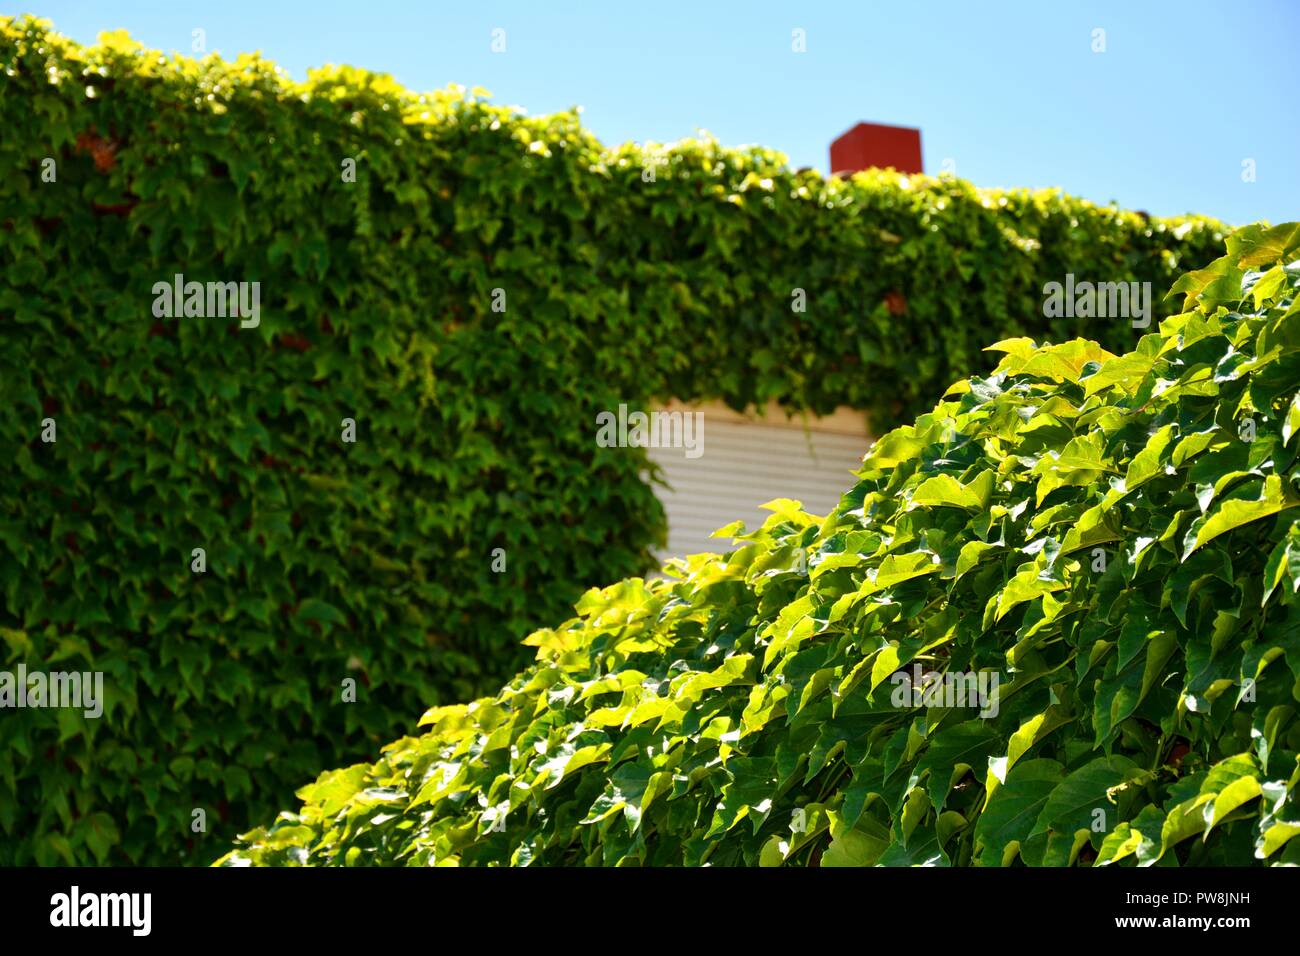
[[747, 462]]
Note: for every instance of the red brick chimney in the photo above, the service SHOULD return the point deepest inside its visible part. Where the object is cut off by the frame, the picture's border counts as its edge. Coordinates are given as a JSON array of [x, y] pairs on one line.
[[871, 144]]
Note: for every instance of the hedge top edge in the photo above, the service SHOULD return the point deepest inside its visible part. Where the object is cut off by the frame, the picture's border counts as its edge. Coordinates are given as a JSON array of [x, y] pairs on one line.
[[117, 54]]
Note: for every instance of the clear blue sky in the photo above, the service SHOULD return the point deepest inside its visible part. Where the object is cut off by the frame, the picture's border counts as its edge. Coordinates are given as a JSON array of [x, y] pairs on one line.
[[1010, 92]]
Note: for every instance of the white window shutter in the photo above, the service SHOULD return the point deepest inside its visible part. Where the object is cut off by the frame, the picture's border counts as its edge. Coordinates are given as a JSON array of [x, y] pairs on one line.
[[748, 460]]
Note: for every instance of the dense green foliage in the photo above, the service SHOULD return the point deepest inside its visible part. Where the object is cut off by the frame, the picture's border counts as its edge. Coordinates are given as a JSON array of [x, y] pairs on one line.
[[373, 560], [1115, 536]]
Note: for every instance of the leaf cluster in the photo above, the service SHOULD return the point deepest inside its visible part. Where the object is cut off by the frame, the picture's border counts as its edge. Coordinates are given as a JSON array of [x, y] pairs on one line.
[[374, 561], [1115, 536]]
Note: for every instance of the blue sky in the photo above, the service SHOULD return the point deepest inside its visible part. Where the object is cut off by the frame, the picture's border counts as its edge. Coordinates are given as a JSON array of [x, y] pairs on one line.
[[1010, 92]]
